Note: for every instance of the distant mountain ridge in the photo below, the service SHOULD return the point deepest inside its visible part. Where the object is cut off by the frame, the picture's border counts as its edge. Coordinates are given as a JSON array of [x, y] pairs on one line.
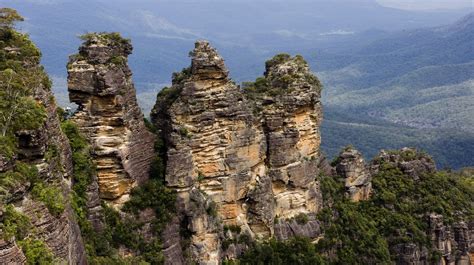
[[420, 82]]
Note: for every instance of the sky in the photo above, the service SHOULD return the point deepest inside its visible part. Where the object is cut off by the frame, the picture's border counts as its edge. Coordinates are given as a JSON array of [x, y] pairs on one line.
[[401, 4], [427, 4]]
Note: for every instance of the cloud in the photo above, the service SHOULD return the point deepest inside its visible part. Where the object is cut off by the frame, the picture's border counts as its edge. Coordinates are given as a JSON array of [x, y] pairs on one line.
[[337, 32], [289, 34], [159, 26]]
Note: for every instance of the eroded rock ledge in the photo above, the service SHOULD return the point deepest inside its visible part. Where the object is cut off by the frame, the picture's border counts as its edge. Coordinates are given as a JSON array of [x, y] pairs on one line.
[[99, 82], [238, 158]]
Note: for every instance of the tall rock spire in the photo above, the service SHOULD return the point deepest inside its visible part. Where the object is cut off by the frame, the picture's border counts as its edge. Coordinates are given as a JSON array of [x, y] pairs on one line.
[[99, 82], [246, 160]]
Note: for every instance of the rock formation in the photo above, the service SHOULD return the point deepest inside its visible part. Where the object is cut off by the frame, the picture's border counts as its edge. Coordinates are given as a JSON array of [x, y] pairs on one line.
[[243, 159], [99, 82], [351, 166]]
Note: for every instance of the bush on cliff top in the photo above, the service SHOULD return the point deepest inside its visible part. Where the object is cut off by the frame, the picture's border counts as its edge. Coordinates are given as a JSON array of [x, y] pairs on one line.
[[114, 37]]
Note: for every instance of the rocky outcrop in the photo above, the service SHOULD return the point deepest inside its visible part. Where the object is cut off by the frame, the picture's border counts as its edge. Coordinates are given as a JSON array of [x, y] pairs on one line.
[[408, 160], [99, 82], [240, 159], [357, 179]]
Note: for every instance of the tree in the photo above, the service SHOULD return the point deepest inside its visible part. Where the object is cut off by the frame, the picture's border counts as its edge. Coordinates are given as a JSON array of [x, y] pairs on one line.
[[8, 17], [18, 110]]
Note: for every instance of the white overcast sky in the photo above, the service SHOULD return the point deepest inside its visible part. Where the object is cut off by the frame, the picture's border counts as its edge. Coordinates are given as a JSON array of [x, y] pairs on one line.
[[427, 4]]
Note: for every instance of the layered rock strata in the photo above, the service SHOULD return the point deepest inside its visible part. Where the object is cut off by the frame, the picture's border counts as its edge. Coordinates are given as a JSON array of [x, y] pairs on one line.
[[237, 159], [99, 82]]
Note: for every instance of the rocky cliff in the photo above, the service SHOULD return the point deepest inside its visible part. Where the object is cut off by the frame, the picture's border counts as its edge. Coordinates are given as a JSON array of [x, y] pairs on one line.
[[99, 82], [35, 182], [239, 159]]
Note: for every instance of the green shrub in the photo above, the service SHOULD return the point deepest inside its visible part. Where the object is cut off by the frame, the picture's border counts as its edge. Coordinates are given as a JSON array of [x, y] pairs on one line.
[[211, 209], [114, 37], [51, 196], [7, 146], [156, 196], [22, 174], [36, 252], [232, 228], [301, 218], [14, 224], [294, 251], [118, 60]]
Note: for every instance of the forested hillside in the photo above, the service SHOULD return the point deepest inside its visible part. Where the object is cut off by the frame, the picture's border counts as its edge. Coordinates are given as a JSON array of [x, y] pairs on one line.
[[409, 88]]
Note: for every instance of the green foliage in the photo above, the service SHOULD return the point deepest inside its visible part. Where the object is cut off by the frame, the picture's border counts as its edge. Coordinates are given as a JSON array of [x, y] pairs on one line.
[[18, 110], [180, 77], [277, 59], [232, 228], [7, 146], [22, 174], [17, 225], [353, 235], [183, 131], [51, 196], [276, 85], [301, 218], [36, 252], [51, 153], [118, 60], [14, 224], [123, 230], [83, 166], [293, 251], [360, 233], [259, 86], [211, 209], [8, 17], [113, 37], [83, 173], [20, 75], [155, 195]]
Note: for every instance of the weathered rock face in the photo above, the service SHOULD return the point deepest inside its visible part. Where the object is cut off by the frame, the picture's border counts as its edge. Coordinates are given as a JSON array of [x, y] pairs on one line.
[[10, 253], [99, 82], [351, 166], [239, 161]]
